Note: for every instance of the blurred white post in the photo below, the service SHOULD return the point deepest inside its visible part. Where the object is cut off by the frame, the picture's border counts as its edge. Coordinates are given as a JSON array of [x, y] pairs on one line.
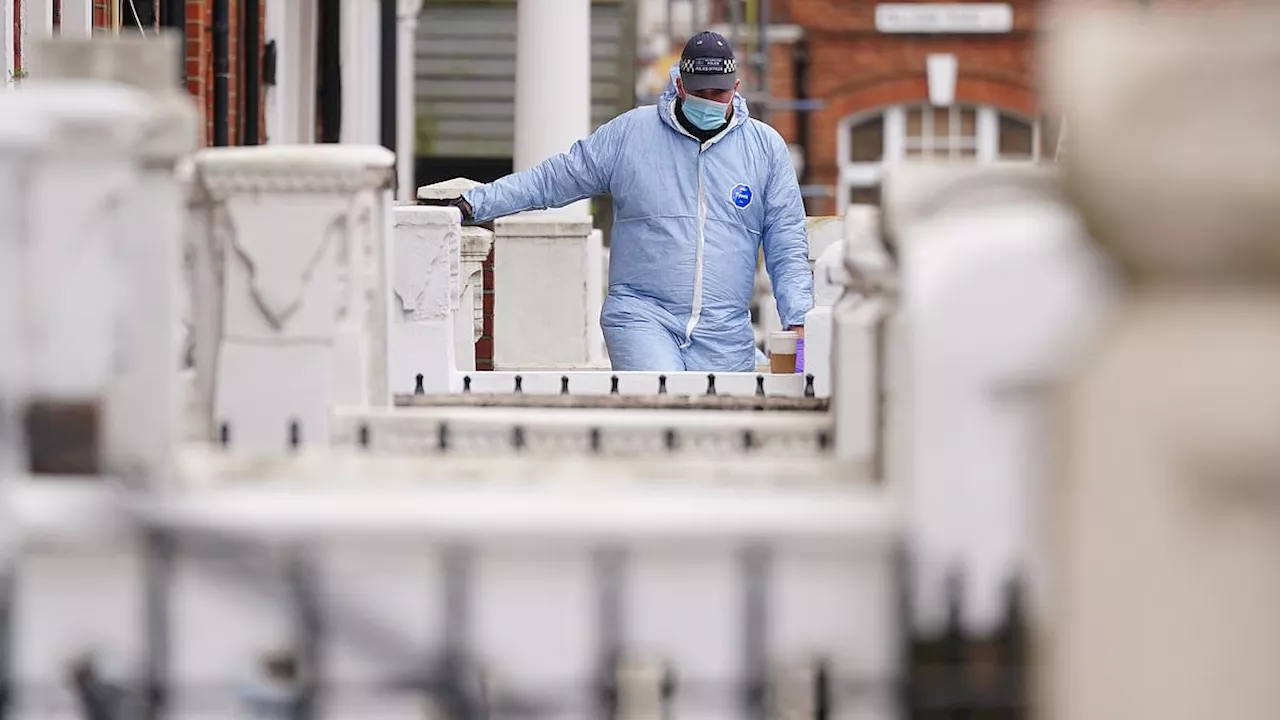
[[22, 138], [8, 20], [76, 20], [406, 97], [553, 82], [144, 411]]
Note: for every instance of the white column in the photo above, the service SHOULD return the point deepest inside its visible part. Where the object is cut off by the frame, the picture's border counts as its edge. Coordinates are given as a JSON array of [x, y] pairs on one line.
[[299, 280], [77, 20], [553, 81], [37, 23], [539, 316], [406, 96], [290, 103], [361, 71], [22, 140], [8, 20], [427, 252]]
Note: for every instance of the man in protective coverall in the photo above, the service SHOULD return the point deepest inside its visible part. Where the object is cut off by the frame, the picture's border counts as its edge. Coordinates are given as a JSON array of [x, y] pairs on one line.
[[698, 189]]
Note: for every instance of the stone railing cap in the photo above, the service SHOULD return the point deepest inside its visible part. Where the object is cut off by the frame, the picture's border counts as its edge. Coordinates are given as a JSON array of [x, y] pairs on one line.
[[476, 240], [426, 215], [323, 155], [538, 225], [446, 189], [78, 101]]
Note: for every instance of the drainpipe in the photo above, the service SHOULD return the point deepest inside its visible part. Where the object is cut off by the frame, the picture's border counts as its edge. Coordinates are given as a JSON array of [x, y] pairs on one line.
[[221, 72], [800, 67], [251, 51], [387, 72], [329, 70]]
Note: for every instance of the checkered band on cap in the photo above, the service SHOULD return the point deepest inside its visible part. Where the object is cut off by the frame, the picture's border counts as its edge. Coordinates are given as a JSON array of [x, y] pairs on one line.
[[709, 66]]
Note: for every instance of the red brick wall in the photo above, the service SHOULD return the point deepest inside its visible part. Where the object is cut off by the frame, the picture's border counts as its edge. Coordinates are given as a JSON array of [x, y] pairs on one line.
[[199, 68], [854, 69]]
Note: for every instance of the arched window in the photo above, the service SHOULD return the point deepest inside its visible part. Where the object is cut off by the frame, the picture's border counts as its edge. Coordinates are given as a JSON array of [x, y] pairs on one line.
[[869, 142]]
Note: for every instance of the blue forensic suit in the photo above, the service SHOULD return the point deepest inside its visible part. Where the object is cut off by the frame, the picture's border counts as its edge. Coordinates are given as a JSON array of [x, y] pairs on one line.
[[690, 219]]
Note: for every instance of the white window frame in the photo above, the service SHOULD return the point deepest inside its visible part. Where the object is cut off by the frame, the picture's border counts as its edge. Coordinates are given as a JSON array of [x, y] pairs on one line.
[[868, 174]]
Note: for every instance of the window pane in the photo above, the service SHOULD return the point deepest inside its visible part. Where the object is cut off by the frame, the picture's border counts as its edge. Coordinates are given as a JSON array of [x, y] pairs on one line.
[[1015, 138], [915, 122], [866, 141], [968, 122], [941, 125], [864, 195]]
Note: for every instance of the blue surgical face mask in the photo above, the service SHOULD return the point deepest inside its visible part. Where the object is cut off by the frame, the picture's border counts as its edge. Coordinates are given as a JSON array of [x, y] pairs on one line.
[[703, 113]]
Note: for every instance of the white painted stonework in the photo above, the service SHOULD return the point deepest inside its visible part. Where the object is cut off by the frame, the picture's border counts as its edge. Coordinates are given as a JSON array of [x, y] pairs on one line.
[[425, 284], [22, 144], [297, 263], [144, 414], [76, 243], [541, 292]]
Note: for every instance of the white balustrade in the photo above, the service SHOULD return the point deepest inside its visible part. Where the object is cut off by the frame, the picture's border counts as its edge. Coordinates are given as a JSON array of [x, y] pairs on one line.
[[425, 285], [469, 322], [292, 288]]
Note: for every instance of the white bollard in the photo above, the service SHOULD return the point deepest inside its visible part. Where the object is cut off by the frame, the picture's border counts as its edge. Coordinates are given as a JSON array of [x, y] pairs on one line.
[[292, 292], [541, 292], [426, 270], [73, 260], [22, 140]]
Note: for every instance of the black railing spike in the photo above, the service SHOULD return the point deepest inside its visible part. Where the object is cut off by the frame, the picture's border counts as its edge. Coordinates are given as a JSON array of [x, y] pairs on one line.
[[822, 690], [662, 384], [669, 439], [711, 383], [595, 440], [519, 384], [418, 389], [748, 440], [564, 384], [295, 434], [442, 437], [364, 436], [824, 440], [808, 386], [224, 434], [613, 385], [466, 383], [517, 437], [760, 385]]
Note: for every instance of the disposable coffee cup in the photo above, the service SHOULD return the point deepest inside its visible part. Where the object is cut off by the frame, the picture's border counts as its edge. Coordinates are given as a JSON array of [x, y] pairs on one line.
[[782, 351]]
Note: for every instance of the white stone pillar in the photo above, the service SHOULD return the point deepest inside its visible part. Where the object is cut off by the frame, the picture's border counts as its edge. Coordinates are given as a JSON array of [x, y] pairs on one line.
[[597, 280], [540, 292], [553, 82], [22, 142], [427, 265], [406, 96], [144, 410], [361, 41], [8, 20], [297, 273], [469, 322], [75, 246], [77, 20]]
